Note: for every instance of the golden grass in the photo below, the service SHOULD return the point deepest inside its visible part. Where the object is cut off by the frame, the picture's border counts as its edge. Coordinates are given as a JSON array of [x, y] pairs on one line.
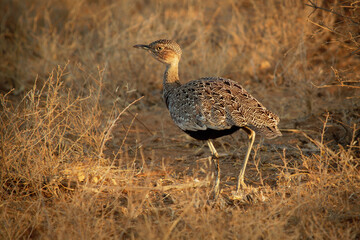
[[85, 156]]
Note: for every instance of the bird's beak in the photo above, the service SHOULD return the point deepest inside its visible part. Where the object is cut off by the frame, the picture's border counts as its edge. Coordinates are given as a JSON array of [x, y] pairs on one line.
[[145, 47]]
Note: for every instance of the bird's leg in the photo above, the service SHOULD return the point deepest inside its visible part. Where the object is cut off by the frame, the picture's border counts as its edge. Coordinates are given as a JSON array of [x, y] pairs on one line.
[[215, 160], [241, 182]]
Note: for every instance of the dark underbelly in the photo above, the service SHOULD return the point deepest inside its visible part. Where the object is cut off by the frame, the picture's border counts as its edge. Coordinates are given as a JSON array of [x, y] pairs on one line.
[[211, 133]]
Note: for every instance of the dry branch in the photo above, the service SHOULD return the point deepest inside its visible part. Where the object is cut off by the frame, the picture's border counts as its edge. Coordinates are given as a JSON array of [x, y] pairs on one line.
[[313, 5], [157, 188], [109, 130]]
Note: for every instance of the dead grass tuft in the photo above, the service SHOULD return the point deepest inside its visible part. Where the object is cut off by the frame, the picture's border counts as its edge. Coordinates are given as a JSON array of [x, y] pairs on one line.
[[88, 150]]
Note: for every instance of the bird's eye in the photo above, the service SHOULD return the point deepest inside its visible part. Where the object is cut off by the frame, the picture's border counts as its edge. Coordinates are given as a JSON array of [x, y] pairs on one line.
[[159, 48]]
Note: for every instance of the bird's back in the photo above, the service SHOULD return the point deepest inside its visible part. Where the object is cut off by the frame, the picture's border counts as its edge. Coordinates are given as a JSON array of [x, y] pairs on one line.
[[220, 106]]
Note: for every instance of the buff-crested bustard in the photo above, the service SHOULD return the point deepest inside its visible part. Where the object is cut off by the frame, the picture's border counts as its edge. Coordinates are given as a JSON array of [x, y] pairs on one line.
[[211, 107]]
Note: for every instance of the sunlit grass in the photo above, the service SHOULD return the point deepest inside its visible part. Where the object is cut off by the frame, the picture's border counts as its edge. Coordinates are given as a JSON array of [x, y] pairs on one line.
[[89, 151]]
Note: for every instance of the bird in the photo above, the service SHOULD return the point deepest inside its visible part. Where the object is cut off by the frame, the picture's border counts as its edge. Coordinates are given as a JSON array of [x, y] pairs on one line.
[[211, 107]]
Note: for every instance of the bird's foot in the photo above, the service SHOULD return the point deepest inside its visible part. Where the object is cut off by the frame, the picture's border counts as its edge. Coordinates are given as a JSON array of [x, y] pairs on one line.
[[248, 194], [241, 184], [214, 198]]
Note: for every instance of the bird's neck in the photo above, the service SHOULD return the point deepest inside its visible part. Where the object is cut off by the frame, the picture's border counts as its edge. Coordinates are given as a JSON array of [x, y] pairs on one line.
[[171, 76]]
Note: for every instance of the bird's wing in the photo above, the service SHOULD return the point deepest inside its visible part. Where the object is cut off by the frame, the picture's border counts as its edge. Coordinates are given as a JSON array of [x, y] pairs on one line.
[[195, 106], [216, 103]]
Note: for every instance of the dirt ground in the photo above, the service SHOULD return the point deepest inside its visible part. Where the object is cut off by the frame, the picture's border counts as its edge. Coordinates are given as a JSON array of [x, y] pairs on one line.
[[89, 151]]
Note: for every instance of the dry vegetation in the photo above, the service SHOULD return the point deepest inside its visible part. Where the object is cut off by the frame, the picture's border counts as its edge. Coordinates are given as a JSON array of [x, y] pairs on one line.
[[83, 156]]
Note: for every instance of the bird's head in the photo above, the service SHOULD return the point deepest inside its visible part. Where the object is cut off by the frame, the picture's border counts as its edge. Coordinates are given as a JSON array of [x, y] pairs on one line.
[[166, 51]]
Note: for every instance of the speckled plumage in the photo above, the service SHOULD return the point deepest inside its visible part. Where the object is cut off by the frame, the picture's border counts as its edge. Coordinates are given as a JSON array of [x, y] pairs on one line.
[[218, 103], [211, 107]]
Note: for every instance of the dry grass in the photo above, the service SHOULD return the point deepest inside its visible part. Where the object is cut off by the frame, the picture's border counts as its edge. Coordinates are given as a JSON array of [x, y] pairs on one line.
[[83, 156]]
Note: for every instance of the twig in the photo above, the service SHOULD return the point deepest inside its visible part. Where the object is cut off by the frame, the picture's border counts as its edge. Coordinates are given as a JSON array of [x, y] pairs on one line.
[[326, 28], [139, 121], [313, 5], [158, 188], [337, 85], [106, 137]]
